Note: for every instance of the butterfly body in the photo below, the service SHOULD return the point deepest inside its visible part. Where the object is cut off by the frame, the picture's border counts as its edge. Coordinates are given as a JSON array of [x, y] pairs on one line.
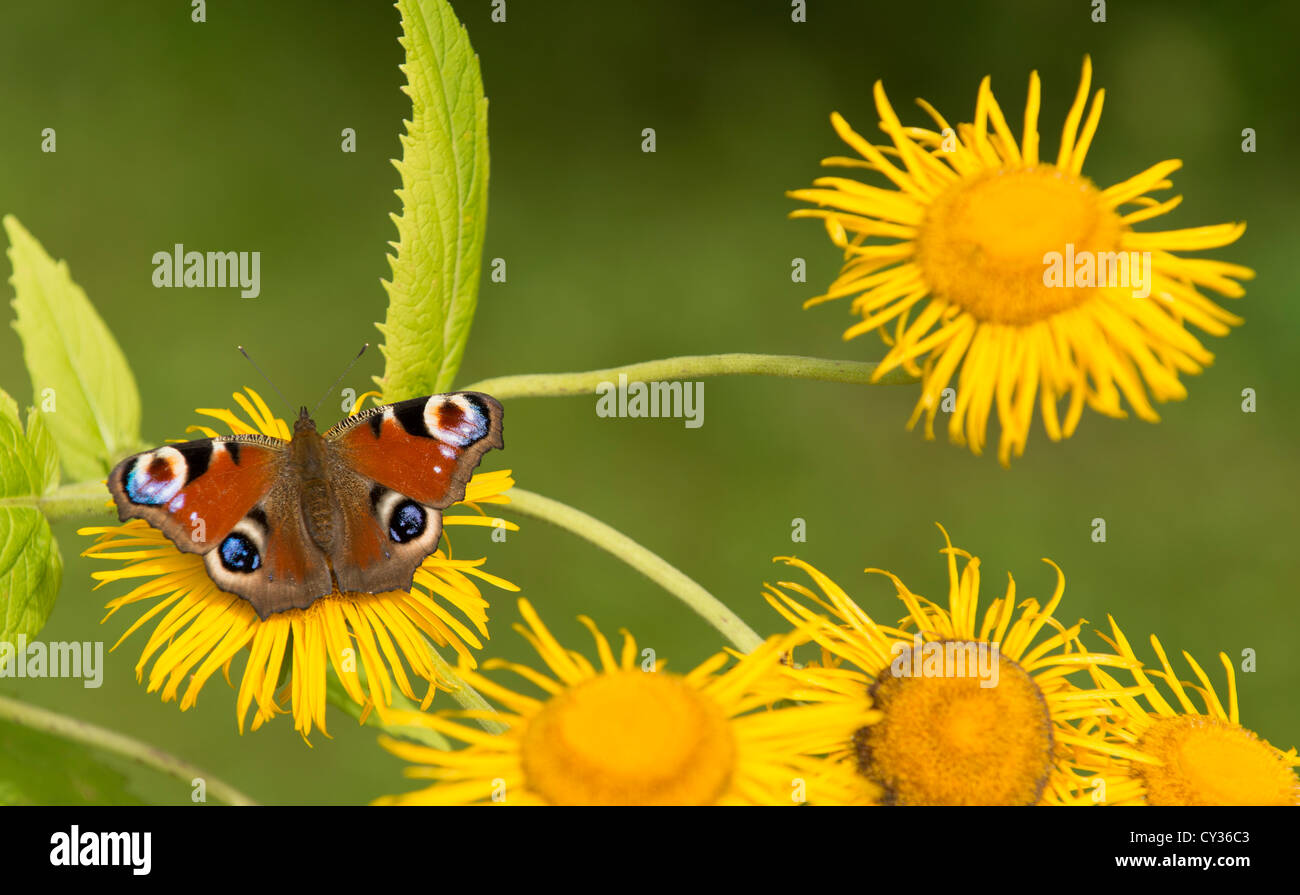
[[283, 523], [308, 459]]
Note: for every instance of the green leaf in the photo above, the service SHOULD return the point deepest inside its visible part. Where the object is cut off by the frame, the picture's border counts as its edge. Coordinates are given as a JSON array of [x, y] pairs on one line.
[[30, 565], [78, 371], [444, 168], [42, 442], [39, 769]]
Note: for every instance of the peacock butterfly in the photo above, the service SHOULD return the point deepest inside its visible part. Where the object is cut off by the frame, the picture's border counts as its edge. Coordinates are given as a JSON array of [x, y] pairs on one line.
[[283, 523]]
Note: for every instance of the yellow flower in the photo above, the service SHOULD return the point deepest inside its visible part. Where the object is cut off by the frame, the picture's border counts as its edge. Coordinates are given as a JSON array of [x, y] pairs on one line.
[[975, 230], [974, 711], [624, 732], [1167, 755], [203, 628]]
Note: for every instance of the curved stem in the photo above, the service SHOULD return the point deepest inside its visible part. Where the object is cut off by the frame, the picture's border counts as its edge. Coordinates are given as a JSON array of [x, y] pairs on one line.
[[790, 366], [647, 563], [100, 738], [467, 696], [68, 502]]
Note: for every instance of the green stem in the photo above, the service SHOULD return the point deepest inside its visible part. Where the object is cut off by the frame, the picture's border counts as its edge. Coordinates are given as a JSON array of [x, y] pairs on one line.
[[649, 564], [790, 366], [463, 693], [69, 502], [100, 738], [88, 499]]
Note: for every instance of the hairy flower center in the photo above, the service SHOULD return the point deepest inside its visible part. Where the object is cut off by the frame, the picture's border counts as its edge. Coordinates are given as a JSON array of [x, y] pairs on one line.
[[629, 738], [1208, 761], [984, 242], [946, 740]]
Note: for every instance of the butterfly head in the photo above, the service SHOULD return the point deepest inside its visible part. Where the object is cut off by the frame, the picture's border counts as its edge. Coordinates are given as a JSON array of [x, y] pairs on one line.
[[304, 423]]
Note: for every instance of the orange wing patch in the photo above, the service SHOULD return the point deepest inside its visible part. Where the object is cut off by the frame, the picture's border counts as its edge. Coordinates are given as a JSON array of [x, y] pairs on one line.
[[195, 492], [426, 448]]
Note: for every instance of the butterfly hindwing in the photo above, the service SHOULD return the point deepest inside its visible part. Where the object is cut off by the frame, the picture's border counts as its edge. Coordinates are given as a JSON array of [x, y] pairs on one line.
[[269, 559], [388, 535]]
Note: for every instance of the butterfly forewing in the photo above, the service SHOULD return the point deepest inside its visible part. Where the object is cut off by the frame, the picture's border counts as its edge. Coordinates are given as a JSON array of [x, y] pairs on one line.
[[195, 492], [425, 448]]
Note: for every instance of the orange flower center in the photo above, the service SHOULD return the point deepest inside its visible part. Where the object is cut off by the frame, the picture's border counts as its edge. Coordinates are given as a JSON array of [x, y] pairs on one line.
[[629, 738], [946, 740], [1209, 761], [983, 243]]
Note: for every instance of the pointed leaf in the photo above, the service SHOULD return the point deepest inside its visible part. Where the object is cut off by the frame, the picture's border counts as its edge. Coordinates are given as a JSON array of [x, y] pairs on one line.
[[73, 360], [444, 168]]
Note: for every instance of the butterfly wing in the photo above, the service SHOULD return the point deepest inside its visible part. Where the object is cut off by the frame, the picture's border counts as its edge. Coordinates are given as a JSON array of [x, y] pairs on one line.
[[425, 448], [393, 470], [386, 535], [195, 492], [232, 501], [269, 558]]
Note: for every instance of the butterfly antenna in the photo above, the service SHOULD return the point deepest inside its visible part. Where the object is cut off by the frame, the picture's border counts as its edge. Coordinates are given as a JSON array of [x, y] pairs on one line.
[[340, 379], [264, 376]]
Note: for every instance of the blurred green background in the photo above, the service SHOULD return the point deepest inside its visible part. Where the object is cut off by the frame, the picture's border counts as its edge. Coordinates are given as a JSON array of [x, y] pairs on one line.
[[225, 136]]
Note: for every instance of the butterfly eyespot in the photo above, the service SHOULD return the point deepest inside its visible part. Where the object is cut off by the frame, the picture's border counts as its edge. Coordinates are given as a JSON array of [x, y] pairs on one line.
[[155, 478], [239, 555], [460, 420], [407, 522]]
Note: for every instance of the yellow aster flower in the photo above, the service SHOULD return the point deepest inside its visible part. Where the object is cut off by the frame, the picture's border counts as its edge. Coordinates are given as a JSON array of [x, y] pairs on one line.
[[364, 638], [964, 241], [622, 731], [975, 710], [1182, 755]]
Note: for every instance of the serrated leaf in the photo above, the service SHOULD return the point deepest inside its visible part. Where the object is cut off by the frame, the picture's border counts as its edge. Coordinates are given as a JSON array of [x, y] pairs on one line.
[[42, 442], [31, 567], [68, 348], [444, 168], [39, 769]]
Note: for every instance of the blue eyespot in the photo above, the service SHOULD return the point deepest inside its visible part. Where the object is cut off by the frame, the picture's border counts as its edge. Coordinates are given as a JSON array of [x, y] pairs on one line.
[[153, 479], [239, 555], [136, 492], [407, 522]]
